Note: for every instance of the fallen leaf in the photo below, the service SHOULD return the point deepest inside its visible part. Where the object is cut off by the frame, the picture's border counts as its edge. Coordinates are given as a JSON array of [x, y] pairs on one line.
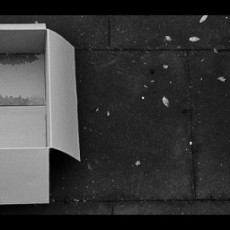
[[222, 79], [215, 51], [165, 101], [168, 38], [203, 18], [194, 39]]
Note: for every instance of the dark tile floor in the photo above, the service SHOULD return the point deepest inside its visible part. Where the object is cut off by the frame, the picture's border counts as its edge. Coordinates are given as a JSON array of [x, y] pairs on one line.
[[139, 155]]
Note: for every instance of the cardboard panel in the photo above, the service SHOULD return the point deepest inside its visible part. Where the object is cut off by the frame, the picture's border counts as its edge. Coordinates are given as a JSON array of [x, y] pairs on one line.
[[61, 95], [22, 79], [21, 41], [22, 126], [24, 176], [28, 26]]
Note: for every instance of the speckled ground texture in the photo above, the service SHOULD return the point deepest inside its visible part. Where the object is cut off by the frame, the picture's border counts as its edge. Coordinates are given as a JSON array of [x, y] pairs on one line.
[[142, 154]]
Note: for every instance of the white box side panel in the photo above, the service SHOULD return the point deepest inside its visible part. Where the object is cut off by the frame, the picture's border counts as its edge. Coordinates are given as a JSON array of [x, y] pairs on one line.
[[24, 176], [61, 95], [19, 26]]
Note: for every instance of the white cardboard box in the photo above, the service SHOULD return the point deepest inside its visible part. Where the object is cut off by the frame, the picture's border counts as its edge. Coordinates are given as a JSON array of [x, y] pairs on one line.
[[27, 137]]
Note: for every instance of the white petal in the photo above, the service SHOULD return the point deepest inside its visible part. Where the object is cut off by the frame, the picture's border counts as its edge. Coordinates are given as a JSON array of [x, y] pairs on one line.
[[221, 79], [168, 38], [165, 101], [215, 51], [194, 39], [203, 18]]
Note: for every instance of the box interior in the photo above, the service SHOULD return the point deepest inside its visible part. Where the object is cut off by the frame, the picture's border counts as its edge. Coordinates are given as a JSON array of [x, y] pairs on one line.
[[22, 89]]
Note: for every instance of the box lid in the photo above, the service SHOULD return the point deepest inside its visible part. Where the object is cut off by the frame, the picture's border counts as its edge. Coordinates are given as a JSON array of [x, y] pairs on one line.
[[61, 95]]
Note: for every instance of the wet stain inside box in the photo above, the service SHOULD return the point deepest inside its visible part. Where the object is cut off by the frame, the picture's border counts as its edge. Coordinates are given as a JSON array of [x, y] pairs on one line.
[[22, 100]]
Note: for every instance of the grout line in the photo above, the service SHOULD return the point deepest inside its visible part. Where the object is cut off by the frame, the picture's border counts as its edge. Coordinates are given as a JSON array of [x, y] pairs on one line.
[[109, 31], [146, 49], [150, 200], [112, 209], [191, 124]]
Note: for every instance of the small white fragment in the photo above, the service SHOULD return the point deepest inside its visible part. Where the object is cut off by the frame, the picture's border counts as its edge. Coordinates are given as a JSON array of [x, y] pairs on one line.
[[170, 82], [201, 79], [137, 163], [108, 113], [145, 86], [226, 17], [142, 97], [222, 79], [97, 109], [36, 22], [190, 143], [194, 39], [215, 51], [165, 66], [165, 101], [152, 81], [168, 38], [202, 60], [203, 18]]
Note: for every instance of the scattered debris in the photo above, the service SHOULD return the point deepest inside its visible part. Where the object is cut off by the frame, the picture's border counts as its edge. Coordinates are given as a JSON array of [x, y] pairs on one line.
[[137, 163], [165, 101], [222, 79], [226, 17], [152, 81], [145, 86], [215, 51], [75, 200], [170, 82], [89, 167], [165, 66], [203, 18], [194, 39], [201, 79], [142, 97], [108, 113], [168, 38], [202, 60], [190, 143], [97, 109]]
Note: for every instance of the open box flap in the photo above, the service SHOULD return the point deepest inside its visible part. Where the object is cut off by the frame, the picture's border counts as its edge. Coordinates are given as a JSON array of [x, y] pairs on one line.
[[62, 118]]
